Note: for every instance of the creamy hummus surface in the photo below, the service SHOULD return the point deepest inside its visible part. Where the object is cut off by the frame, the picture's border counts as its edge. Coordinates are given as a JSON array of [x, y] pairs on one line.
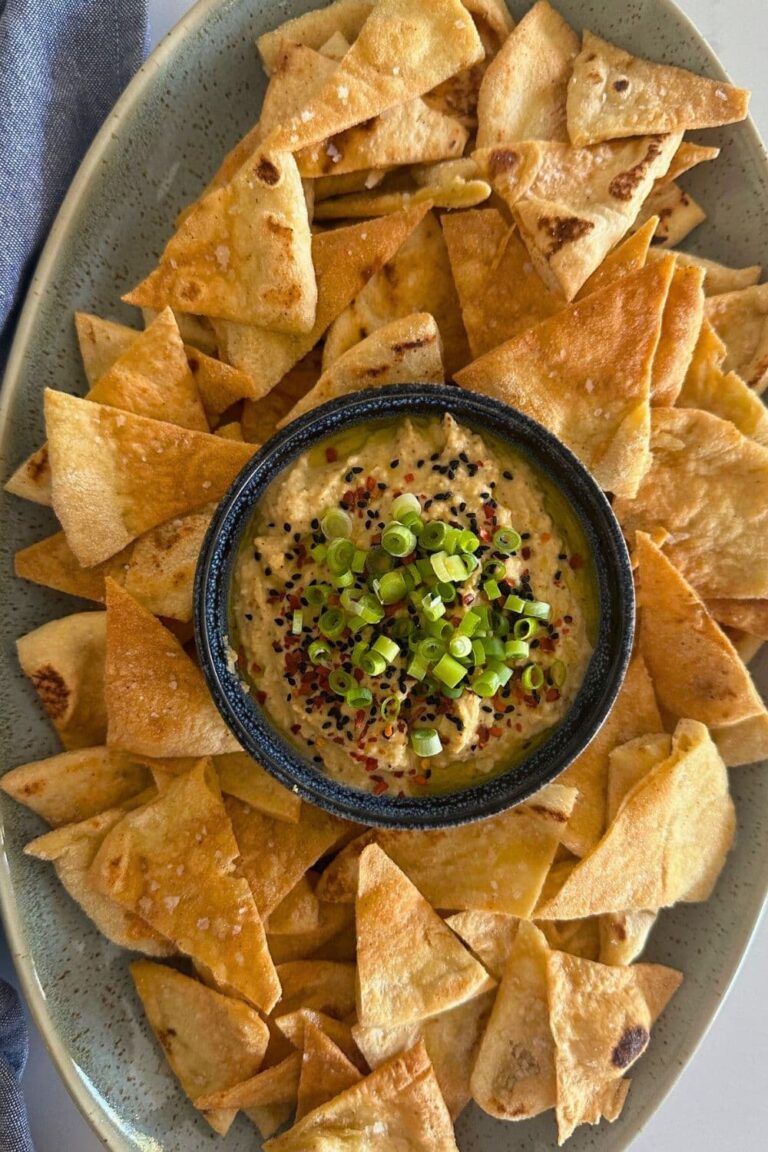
[[427, 670]]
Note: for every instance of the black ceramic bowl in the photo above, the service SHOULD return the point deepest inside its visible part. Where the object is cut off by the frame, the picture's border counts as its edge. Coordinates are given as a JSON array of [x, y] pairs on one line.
[[615, 627]]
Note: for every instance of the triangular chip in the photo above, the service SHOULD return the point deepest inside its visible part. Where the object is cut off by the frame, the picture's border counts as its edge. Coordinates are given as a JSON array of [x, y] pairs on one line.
[[572, 205], [294, 848], [293, 1024], [145, 662], [523, 93], [410, 965], [695, 669], [688, 155], [209, 1040], [32, 478], [333, 920], [680, 327], [72, 849], [708, 387], [405, 48], [344, 259], [315, 28], [668, 841], [706, 491], [613, 94], [219, 384], [601, 1019], [495, 865], [397, 1106], [743, 743], [741, 321], [628, 256], [172, 862], [405, 351], [718, 279], [52, 563], [490, 935], [242, 777], [243, 253], [260, 418], [318, 986], [675, 210], [455, 191], [101, 342], [577, 374], [76, 785], [275, 1086], [325, 1071], [747, 615], [116, 475], [64, 660]]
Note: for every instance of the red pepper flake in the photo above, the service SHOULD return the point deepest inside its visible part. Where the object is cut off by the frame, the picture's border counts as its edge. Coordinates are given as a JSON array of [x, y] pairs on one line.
[[422, 780], [519, 726], [348, 498], [496, 731], [546, 644], [576, 561], [261, 697], [483, 734], [545, 537], [409, 478], [468, 598], [358, 674], [484, 535], [379, 787], [331, 455], [525, 553], [256, 669], [552, 695], [489, 512], [390, 609], [370, 483], [295, 728]]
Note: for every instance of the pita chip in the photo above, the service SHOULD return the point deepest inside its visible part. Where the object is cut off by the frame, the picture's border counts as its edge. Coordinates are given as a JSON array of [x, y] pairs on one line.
[[628, 256], [410, 965], [242, 777], [52, 563], [275, 1085], [293, 1025], [680, 328], [219, 384], [64, 661], [741, 321], [695, 669], [405, 351], [454, 188], [581, 375], [334, 919], [32, 478], [318, 986], [243, 253], [72, 849], [172, 862], [145, 662], [493, 865], [489, 935], [398, 1105], [209, 1040], [101, 343], [260, 418], [613, 94], [718, 279], [294, 847], [345, 259], [708, 387], [514, 1073], [116, 475], [572, 205], [706, 492], [601, 1019], [743, 743], [76, 785], [746, 615], [522, 96], [404, 49], [676, 210], [315, 28], [325, 1071], [667, 842], [416, 279]]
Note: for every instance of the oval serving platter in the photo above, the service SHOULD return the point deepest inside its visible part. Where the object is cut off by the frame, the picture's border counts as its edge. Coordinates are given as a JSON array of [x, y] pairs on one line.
[[196, 95]]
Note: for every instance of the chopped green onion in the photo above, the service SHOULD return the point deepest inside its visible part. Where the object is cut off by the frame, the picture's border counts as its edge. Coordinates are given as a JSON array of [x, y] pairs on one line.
[[449, 671], [470, 622], [515, 604], [431, 649], [526, 628], [460, 646], [491, 589], [433, 535], [358, 652], [501, 624], [494, 648], [319, 652], [297, 622], [432, 607], [424, 567], [516, 650], [404, 504], [373, 663], [317, 594], [336, 523], [359, 697], [377, 562], [538, 608], [446, 592], [452, 693], [412, 575], [487, 684], [340, 682], [533, 678], [438, 562], [403, 627], [426, 741], [441, 628], [470, 562], [340, 554], [478, 652], [558, 673], [319, 552], [332, 623], [502, 671], [417, 668], [386, 648], [390, 708], [451, 542], [358, 561], [344, 580], [494, 569], [456, 568], [398, 540], [414, 522], [392, 587], [468, 541], [506, 540]]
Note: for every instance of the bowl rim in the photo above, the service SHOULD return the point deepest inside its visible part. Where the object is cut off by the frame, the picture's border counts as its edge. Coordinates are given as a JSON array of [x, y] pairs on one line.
[[262, 738]]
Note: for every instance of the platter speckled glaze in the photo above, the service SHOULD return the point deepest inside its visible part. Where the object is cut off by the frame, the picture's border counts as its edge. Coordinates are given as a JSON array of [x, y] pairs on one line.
[[199, 91]]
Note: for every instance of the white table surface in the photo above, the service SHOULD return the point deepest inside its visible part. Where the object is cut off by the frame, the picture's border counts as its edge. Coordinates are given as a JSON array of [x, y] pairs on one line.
[[721, 1102]]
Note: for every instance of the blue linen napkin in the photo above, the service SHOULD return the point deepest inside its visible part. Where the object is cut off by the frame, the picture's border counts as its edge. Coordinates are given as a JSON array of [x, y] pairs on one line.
[[63, 63]]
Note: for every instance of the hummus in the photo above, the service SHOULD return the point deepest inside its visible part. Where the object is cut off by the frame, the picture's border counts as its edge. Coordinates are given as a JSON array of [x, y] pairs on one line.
[[363, 696]]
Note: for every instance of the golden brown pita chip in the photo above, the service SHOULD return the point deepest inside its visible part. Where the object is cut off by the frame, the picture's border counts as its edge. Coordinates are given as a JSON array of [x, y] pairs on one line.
[[417, 279], [76, 785], [116, 475], [743, 743], [404, 49], [572, 205], [335, 47], [576, 937], [680, 328], [276, 1085], [613, 94], [241, 776], [601, 1019], [695, 669], [32, 478], [514, 1074], [292, 1025], [172, 862], [747, 615], [405, 351], [494, 865], [298, 74], [709, 388], [315, 28], [457, 192], [318, 986], [677, 212], [195, 330], [628, 256], [145, 662], [293, 848], [101, 342], [330, 187], [741, 321], [490, 935], [707, 489], [220, 385], [210, 1041], [243, 253], [410, 966], [52, 563], [334, 919], [325, 1071], [397, 1106], [718, 279], [668, 841], [261, 418], [64, 660], [579, 375], [72, 849], [522, 96], [688, 155], [344, 259]]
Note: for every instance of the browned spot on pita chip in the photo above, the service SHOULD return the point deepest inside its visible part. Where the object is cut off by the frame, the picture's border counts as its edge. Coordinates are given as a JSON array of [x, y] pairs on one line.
[[32, 479], [325, 1071], [676, 210], [628, 256]]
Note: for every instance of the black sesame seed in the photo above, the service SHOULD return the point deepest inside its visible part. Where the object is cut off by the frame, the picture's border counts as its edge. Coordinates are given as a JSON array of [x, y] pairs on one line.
[[394, 463]]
